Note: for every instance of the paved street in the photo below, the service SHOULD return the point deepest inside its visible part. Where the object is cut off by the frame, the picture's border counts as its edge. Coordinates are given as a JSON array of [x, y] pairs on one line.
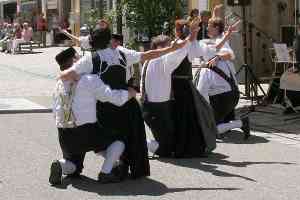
[[264, 167]]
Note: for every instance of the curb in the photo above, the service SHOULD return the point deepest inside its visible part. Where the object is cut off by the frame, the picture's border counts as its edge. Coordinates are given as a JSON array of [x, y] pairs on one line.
[[44, 110]]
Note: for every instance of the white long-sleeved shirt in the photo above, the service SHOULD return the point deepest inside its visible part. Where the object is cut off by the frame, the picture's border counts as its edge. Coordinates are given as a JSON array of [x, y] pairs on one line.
[[159, 71], [85, 42], [111, 56], [200, 49], [210, 83], [89, 89]]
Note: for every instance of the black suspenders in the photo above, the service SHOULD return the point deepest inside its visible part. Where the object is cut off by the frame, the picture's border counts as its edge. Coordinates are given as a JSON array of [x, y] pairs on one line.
[[97, 61], [230, 79], [144, 95]]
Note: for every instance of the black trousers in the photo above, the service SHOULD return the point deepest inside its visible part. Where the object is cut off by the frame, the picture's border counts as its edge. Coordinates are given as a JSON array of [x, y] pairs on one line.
[[223, 106], [75, 142], [158, 116], [293, 96]]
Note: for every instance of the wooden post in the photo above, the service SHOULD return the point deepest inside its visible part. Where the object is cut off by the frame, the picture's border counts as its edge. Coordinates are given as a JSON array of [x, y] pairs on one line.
[[75, 11]]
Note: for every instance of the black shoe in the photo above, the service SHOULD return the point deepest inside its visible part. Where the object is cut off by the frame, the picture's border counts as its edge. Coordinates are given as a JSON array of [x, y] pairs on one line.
[[289, 110], [122, 171], [246, 127], [108, 178], [74, 176], [220, 136], [55, 177]]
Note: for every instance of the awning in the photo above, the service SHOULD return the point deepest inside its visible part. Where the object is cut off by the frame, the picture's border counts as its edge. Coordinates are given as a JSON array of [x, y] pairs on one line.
[[8, 1]]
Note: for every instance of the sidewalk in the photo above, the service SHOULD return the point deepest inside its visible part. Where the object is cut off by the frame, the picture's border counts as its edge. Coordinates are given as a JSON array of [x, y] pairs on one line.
[[28, 80]]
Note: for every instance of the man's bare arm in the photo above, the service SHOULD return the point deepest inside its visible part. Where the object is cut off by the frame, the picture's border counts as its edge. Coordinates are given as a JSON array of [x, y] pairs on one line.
[[194, 28], [69, 35], [152, 54], [227, 35]]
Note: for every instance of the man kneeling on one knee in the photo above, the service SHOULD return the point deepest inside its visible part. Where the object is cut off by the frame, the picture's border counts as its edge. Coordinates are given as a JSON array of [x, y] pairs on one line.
[[78, 131], [218, 85]]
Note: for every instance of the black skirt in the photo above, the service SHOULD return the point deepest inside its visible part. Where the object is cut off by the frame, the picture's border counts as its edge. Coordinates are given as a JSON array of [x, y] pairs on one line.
[[195, 127], [127, 122]]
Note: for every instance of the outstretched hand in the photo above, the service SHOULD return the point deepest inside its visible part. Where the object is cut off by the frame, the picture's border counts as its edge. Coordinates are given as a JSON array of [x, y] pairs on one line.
[[213, 62], [194, 29], [194, 26], [131, 93]]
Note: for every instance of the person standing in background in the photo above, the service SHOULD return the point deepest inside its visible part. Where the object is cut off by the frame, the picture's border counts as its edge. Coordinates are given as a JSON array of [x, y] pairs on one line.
[[42, 28], [205, 15]]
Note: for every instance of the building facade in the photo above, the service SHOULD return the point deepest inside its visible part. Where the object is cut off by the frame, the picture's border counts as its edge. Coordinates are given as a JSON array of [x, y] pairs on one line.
[[266, 22], [203, 4]]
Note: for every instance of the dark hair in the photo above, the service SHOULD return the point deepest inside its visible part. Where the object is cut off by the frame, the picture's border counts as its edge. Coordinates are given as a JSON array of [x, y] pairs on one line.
[[161, 40], [193, 11], [217, 22], [206, 13], [100, 38]]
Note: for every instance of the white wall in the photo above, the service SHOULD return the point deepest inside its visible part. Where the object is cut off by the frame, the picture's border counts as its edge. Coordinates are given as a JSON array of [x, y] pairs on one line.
[[202, 5]]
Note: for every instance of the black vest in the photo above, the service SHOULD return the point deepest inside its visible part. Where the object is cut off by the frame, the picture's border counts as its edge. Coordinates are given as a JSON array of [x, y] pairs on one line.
[[115, 77]]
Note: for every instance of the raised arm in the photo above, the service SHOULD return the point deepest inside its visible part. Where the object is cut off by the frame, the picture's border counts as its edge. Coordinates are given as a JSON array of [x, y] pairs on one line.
[[152, 54], [227, 35], [69, 35], [83, 66]]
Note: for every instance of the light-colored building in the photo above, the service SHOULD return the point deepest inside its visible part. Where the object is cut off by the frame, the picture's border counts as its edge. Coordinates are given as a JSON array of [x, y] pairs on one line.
[[203, 4], [266, 22]]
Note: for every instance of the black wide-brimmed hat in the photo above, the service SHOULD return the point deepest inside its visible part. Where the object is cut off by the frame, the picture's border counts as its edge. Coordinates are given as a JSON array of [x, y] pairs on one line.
[[100, 38], [65, 55]]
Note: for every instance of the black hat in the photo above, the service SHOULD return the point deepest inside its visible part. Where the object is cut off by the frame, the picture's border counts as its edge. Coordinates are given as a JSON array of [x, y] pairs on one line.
[[100, 38], [64, 56], [117, 36]]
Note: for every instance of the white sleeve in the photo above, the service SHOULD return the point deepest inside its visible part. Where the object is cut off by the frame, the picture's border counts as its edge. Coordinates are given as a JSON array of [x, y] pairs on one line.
[[105, 94], [195, 50], [226, 49], [132, 56], [85, 42], [84, 65], [172, 60], [203, 84]]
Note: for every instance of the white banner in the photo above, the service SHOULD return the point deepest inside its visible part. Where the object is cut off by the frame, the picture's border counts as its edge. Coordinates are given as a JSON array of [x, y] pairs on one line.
[[52, 4], [202, 5]]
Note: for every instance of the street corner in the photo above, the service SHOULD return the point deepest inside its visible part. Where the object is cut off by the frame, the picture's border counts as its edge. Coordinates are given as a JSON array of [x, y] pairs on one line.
[[21, 105]]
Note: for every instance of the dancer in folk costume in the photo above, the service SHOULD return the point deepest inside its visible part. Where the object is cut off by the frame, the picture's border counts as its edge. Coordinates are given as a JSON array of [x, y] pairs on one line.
[[182, 123], [78, 131], [217, 83]]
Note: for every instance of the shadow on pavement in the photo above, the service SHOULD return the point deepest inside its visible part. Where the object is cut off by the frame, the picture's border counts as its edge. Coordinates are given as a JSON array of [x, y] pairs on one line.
[[270, 119], [210, 165], [145, 186], [236, 137]]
